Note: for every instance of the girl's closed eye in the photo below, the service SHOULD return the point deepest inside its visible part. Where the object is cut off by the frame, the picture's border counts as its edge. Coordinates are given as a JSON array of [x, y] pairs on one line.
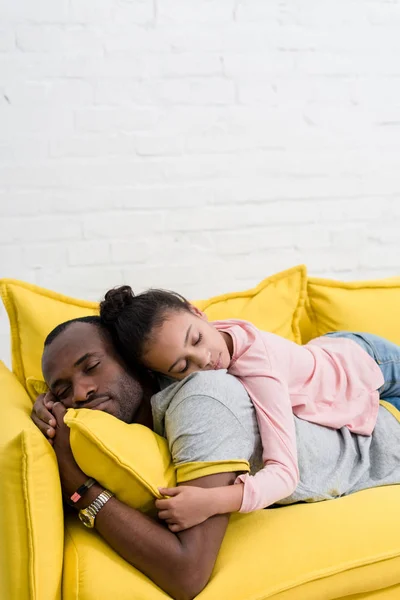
[[195, 343], [185, 368]]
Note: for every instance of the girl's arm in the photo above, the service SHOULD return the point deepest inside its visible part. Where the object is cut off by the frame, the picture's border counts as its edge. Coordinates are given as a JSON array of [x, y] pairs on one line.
[[280, 475], [188, 506], [262, 363]]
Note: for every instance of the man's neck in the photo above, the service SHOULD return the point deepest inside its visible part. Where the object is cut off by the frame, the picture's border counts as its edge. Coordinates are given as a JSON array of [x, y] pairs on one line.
[[143, 415]]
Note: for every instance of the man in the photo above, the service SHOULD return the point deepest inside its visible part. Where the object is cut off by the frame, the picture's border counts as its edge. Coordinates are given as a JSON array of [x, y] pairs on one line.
[[211, 427], [82, 369]]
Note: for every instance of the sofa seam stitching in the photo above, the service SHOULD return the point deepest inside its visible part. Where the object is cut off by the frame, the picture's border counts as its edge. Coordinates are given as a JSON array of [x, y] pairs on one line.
[[67, 532], [31, 554]]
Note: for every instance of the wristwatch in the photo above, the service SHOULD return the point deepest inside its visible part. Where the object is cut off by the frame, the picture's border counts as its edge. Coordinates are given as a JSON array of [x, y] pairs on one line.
[[88, 515]]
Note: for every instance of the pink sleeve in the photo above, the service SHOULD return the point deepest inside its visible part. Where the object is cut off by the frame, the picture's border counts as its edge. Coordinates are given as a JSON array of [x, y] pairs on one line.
[[280, 475], [258, 368]]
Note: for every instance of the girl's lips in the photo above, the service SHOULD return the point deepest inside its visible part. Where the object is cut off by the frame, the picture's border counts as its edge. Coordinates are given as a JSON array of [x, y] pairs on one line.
[[218, 363]]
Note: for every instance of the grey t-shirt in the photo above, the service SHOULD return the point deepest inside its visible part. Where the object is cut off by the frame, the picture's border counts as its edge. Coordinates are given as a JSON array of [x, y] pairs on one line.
[[336, 462], [209, 418]]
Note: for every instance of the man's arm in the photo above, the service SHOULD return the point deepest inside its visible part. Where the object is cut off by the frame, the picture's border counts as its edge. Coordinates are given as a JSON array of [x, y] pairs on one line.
[[181, 564]]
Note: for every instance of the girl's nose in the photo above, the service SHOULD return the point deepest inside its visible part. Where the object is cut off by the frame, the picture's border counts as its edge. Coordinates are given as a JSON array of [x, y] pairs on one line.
[[204, 359]]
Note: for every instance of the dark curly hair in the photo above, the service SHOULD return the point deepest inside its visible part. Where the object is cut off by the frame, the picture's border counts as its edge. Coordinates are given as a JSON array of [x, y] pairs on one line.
[[131, 319]]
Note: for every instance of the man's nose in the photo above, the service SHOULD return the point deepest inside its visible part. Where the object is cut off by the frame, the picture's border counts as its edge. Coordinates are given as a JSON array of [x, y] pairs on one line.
[[83, 390]]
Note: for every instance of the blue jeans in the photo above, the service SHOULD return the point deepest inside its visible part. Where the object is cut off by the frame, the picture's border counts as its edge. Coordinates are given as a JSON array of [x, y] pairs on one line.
[[386, 355]]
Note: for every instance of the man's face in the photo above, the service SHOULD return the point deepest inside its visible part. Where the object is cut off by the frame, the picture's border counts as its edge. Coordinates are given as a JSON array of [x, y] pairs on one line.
[[82, 370]]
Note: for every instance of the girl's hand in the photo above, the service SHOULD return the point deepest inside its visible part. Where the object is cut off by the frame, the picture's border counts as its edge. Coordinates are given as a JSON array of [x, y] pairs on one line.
[[186, 507]]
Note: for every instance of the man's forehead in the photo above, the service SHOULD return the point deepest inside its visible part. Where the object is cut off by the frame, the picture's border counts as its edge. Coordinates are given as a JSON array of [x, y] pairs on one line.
[[77, 338], [79, 332]]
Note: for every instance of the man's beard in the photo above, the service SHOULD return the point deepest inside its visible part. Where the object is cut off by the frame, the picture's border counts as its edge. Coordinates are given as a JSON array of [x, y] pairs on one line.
[[130, 397]]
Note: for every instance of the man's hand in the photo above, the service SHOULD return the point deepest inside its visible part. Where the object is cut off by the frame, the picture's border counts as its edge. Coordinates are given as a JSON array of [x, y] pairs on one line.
[[42, 416], [71, 475], [186, 507]]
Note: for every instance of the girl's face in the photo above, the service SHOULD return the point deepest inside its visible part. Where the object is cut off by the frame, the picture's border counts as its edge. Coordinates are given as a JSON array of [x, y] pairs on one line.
[[186, 342]]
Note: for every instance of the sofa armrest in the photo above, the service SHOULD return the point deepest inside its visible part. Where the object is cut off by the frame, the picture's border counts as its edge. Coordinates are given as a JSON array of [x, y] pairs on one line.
[[31, 512]]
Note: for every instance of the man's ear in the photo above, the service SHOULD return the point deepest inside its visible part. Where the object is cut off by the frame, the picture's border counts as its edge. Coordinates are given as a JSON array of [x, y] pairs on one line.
[[196, 311]]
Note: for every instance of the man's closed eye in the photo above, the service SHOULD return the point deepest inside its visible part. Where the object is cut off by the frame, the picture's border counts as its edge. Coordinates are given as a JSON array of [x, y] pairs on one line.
[[62, 394]]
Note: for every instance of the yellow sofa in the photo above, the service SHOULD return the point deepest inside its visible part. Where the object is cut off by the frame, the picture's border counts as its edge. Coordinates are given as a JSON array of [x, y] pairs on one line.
[[346, 548]]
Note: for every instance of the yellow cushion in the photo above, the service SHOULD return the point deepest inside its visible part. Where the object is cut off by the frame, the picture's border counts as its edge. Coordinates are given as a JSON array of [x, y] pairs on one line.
[[130, 460], [307, 326], [31, 515], [274, 305], [329, 550], [369, 306], [33, 313]]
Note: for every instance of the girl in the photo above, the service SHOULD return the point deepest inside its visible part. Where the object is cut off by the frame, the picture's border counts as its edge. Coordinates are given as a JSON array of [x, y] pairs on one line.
[[333, 381]]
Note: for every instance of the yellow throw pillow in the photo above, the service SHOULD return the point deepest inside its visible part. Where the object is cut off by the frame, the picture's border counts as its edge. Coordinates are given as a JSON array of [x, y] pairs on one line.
[[365, 306], [34, 387], [33, 312], [130, 460], [307, 326], [31, 513], [275, 305]]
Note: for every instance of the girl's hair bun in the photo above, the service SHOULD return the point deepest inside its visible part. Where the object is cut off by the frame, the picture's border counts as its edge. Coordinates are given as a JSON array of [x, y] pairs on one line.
[[115, 302]]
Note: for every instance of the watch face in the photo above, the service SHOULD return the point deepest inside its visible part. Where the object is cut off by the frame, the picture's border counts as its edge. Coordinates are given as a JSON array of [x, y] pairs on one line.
[[86, 519]]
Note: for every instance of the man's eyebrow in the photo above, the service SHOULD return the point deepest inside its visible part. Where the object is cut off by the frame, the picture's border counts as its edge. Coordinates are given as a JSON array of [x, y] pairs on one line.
[[185, 343], [76, 364], [82, 358]]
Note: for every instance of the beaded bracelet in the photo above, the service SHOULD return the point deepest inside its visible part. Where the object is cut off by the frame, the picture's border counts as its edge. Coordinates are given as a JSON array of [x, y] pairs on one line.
[[81, 491]]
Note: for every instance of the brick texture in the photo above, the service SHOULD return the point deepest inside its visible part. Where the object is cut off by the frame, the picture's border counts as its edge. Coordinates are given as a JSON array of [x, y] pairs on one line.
[[198, 145]]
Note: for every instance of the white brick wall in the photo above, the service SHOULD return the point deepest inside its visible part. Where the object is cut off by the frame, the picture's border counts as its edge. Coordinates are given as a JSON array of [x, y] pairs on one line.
[[197, 144]]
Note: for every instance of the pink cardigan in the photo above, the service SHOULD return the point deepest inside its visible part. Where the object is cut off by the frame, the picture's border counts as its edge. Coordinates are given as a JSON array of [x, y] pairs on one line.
[[329, 381]]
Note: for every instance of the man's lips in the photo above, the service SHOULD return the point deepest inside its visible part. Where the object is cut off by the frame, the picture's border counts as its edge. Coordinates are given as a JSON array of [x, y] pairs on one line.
[[96, 404]]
